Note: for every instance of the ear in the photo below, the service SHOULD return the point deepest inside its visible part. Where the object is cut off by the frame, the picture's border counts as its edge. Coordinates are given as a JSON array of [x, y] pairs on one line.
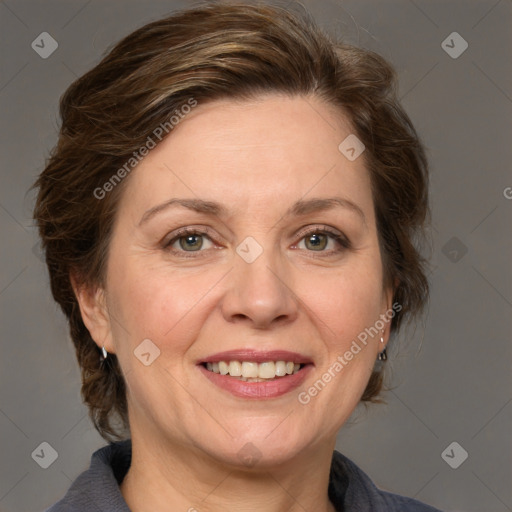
[[387, 303], [388, 297], [93, 308]]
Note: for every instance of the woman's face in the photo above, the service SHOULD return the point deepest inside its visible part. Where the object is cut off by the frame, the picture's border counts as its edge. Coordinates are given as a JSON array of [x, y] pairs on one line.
[[274, 267]]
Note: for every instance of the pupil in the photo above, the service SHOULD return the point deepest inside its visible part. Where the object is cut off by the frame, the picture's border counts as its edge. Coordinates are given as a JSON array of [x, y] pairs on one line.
[[317, 241], [190, 238]]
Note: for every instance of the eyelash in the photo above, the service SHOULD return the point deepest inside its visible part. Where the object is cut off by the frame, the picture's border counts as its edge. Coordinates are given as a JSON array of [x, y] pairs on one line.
[[340, 239]]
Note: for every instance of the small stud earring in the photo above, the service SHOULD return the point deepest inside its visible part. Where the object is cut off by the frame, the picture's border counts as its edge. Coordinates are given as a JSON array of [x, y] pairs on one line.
[[382, 355]]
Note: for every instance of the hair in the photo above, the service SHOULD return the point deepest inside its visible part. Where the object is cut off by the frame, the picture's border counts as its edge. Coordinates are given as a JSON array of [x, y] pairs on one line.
[[212, 52]]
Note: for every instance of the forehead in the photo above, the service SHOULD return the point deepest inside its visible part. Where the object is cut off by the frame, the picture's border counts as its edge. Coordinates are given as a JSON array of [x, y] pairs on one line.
[[270, 150]]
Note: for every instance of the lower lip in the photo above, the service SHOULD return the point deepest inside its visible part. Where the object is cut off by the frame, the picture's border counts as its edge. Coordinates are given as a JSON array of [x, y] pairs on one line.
[[258, 390]]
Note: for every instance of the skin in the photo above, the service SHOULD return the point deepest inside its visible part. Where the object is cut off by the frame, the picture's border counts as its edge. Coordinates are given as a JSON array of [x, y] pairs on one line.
[[256, 158]]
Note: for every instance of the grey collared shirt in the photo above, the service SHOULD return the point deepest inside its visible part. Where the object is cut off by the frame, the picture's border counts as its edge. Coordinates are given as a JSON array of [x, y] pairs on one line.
[[97, 488]]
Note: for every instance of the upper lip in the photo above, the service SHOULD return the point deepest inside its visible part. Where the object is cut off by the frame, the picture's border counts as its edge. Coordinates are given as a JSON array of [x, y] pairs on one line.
[[257, 356]]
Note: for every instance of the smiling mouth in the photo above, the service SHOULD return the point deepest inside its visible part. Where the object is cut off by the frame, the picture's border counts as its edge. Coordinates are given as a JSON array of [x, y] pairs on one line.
[[250, 371]]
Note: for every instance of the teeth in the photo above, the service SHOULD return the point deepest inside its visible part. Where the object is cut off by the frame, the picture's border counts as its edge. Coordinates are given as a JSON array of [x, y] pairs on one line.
[[249, 370], [235, 369], [267, 370], [253, 372], [280, 369]]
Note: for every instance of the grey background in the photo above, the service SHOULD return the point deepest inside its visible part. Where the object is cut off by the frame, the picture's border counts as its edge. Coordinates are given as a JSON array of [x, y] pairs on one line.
[[451, 377]]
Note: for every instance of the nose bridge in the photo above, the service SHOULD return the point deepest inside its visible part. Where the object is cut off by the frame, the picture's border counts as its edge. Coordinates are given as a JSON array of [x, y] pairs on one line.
[[260, 291]]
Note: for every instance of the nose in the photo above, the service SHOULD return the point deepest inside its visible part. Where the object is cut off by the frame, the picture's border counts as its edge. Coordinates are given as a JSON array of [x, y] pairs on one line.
[[260, 294]]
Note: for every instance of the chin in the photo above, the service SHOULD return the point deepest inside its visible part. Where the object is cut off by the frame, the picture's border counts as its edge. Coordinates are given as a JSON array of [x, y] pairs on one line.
[[264, 448]]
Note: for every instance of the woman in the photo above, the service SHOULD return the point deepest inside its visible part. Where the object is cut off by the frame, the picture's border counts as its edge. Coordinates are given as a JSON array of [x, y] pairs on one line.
[[228, 220]]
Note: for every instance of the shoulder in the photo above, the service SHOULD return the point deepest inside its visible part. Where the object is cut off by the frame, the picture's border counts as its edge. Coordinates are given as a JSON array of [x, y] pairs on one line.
[[97, 488], [350, 489]]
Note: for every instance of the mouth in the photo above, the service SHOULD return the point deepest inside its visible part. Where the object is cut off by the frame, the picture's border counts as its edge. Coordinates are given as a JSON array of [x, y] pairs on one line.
[[256, 374], [251, 371]]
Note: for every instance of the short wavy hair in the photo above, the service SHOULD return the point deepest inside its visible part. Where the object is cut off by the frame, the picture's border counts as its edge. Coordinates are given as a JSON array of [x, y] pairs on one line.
[[217, 51]]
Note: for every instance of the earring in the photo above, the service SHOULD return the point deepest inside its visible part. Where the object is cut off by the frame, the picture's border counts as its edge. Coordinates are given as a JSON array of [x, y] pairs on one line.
[[382, 355], [104, 353]]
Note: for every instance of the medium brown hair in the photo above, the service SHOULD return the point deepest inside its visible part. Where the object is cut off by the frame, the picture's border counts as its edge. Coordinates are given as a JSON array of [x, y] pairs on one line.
[[214, 52]]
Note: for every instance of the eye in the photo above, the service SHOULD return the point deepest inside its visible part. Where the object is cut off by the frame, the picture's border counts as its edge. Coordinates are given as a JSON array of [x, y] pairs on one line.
[[317, 240], [324, 240], [188, 240]]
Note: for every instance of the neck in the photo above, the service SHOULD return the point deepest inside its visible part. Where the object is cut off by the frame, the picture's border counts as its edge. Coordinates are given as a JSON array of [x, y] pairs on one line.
[[180, 478]]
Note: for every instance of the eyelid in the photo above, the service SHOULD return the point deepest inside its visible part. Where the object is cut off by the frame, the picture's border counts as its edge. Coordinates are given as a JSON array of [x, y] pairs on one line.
[[318, 228]]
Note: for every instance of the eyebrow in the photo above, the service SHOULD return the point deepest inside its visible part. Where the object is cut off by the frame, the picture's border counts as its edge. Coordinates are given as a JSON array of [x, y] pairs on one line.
[[299, 208]]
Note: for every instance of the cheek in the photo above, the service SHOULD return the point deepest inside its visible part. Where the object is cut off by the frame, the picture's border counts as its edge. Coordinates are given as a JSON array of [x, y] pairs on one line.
[[343, 307], [346, 303], [167, 309], [160, 304]]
